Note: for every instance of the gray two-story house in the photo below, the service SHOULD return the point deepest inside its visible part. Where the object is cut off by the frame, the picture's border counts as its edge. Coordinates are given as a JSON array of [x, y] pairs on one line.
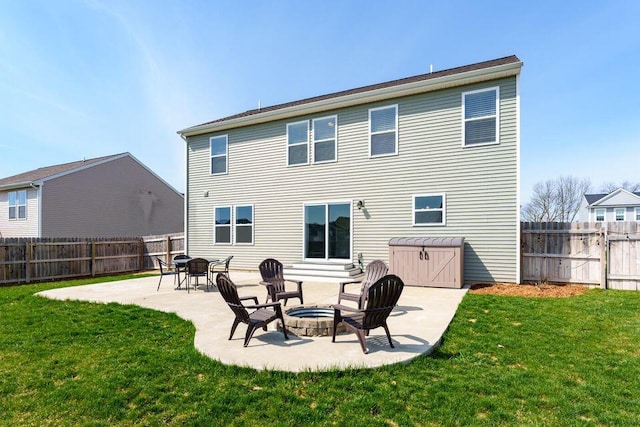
[[325, 182], [108, 196]]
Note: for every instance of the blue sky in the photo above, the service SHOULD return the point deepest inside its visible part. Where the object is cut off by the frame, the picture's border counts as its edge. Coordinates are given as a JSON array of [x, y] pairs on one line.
[[83, 78]]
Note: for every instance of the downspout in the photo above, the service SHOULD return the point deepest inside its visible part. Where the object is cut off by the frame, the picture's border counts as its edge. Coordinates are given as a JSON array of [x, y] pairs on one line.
[[186, 193]]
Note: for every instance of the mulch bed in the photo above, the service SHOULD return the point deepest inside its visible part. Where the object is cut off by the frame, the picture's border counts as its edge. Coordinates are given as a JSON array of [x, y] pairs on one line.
[[538, 290]]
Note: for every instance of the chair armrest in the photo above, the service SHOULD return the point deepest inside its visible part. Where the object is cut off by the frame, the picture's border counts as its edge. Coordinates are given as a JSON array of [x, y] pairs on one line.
[[297, 282], [255, 299], [352, 282], [341, 307], [271, 304]]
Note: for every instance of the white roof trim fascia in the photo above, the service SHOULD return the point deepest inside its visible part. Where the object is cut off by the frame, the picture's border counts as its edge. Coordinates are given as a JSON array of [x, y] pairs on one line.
[[612, 194], [469, 77]]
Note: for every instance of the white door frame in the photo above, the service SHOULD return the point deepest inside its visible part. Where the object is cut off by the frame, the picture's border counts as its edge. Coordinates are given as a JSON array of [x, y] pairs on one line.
[[326, 203]]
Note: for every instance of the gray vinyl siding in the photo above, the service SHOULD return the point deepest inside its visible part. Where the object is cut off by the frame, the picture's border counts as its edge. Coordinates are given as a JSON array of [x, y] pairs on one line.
[[480, 184], [116, 198]]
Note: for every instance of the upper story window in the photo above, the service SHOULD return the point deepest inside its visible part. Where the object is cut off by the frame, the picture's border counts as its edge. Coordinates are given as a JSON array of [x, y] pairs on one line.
[[480, 117], [620, 214], [222, 225], [219, 148], [600, 215], [298, 143], [324, 139], [637, 214], [18, 204], [383, 131], [429, 209], [244, 224]]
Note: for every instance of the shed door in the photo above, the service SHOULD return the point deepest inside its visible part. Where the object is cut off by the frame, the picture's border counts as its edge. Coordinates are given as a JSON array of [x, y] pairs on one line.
[[327, 231]]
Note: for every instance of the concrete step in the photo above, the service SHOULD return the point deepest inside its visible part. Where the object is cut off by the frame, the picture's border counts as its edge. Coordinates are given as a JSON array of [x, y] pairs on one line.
[[322, 266], [317, 272]]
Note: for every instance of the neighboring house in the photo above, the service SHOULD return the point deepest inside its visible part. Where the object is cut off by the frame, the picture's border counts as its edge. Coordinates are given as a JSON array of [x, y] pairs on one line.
[[619, 205], [104, 197], [325, 182]]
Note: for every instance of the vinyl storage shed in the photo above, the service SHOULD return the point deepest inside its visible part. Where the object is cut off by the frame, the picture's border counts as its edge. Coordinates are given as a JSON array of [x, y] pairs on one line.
[[428, 261]]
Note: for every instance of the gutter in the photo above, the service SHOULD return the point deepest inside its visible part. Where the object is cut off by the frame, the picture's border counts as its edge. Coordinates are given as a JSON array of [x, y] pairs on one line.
[[469, 77], [18, 185]]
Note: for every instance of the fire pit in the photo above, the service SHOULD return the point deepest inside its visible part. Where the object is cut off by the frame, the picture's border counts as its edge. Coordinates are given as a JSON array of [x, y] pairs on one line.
[[310, 320]]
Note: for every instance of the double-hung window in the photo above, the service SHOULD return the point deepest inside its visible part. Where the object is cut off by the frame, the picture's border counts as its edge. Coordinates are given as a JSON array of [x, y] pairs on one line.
[[600, 215], [219, 149], [222, 225], [244, 224], [480, 118], [324, 139], [429, 209], [620, 214], [233, 224], [637, 214], [383, 131], [298, 143], [18, 204]]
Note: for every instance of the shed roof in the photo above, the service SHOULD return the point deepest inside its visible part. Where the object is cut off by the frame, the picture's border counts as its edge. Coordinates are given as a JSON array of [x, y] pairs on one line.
[[427, 241]]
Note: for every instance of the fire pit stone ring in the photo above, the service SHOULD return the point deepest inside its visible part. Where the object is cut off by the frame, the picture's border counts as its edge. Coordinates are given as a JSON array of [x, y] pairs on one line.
[[310, 320]]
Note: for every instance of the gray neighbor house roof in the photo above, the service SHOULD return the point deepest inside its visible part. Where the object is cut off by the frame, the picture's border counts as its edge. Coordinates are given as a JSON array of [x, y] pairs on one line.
[[592, 198], [436, 75], [40, 174], [37, 176]]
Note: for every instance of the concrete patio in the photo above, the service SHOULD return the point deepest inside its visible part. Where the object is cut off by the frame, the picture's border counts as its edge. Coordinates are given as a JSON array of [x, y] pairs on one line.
[[416, 325]]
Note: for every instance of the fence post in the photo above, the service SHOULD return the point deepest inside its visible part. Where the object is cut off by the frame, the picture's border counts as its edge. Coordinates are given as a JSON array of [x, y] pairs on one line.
[[27, 262], [93, 259], [141, 265], [604, 257], [168, 258]]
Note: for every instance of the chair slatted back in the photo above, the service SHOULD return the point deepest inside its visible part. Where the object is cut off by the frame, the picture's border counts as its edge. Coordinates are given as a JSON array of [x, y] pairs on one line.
[[197, 267], [229, 292], [376, 270], [272, 271], [382, 297]]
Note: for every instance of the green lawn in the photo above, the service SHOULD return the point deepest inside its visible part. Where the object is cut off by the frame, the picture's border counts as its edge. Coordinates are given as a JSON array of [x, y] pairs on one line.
[[504, 361]]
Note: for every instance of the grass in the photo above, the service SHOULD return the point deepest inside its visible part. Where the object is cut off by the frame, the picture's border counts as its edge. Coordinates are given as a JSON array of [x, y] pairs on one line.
[[504, 361]]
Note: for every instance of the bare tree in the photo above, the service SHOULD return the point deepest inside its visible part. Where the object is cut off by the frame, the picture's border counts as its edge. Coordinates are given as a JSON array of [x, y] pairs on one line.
[[556, 200], [608, 187]]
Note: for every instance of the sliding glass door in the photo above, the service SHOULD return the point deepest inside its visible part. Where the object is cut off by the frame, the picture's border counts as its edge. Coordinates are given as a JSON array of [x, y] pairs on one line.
[[327, 231]]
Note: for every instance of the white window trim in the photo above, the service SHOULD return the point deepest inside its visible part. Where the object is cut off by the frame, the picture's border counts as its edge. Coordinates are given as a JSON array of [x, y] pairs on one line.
[[253, 224], [215, 226], [497, 115], [624, 214], [433, 224], [298, 143], [637, 216], [18, 205], [395, 153], [225, 155], [335, 139], [595, 214]]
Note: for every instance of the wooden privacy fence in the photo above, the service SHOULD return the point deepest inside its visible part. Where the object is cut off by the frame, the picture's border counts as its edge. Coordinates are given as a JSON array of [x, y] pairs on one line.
[[607, 255], [28, 260]]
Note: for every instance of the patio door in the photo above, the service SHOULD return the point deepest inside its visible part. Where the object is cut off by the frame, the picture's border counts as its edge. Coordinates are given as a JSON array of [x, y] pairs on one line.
[[327, 231]]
